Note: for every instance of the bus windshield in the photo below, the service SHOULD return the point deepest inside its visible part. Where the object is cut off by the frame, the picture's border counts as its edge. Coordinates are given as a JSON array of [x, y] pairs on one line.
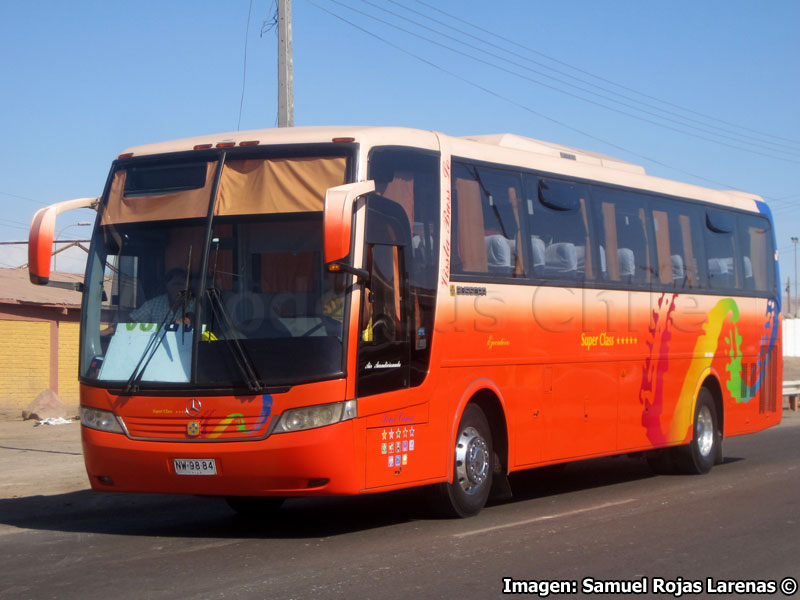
[[242, 302]]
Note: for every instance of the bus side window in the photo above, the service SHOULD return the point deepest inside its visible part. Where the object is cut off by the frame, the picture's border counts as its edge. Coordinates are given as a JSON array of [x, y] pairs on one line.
[[558, 223], [758, 269], [487, 238], [676, 239], [624, 236], [720, 245]]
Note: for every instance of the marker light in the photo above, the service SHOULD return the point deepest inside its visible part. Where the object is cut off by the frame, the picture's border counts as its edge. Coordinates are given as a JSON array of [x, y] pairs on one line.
[[311, 417], [344, 140], [203, 146], [249, 143], [126, 155], [226, 144]]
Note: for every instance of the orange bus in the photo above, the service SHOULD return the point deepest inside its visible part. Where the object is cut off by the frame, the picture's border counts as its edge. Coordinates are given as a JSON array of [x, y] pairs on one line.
[[336, 311]]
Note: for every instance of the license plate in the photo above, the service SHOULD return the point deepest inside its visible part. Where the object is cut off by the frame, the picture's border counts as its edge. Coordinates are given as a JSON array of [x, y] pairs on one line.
[[195, 466]]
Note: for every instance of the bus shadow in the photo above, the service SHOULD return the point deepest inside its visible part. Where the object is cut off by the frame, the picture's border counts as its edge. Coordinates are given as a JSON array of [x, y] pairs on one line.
[[86, 511], [201, 517], [584, 475]]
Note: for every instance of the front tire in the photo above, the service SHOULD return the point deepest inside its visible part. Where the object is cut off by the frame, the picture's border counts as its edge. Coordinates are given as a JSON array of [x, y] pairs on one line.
[[701, 453], [472, 468]]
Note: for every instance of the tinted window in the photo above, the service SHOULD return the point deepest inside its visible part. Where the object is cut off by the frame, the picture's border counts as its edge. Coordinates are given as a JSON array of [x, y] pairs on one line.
[[623, 237], [720, 246], [677, 237], [486, 235], [758, 267], [410, 179], [163, 179], [559, 229]]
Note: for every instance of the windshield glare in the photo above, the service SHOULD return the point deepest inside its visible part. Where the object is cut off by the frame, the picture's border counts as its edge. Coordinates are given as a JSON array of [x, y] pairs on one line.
[[265, 313]]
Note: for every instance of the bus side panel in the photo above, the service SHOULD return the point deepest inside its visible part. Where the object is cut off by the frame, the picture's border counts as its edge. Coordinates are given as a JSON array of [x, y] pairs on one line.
[[406, 435]]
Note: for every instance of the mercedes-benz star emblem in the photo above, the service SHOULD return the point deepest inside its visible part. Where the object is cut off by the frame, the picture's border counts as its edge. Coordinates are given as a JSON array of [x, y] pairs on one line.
[[193, 407]]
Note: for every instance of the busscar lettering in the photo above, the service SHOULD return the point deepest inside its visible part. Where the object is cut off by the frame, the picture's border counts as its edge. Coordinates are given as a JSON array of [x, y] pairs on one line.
[[469, 290]]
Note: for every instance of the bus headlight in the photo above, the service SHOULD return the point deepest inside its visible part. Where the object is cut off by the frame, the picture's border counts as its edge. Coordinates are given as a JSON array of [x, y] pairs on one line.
[[102, 420], [310, 417]]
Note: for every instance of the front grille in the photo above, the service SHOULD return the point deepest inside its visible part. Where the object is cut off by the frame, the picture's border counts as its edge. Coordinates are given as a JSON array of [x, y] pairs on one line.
[[211, 428]]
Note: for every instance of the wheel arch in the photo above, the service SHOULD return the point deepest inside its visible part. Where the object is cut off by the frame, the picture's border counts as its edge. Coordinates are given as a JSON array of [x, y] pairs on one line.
[[486, 394], [711, 382]]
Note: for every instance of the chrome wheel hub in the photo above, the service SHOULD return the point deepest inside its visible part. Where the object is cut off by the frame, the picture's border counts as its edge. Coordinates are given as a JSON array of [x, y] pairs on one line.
[[472, 460], [704, 431]]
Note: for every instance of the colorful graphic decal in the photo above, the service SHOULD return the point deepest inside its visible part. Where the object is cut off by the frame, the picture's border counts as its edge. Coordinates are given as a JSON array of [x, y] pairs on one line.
[[651, 394], [397, 444], [720, 327], [704, 350], [768, 340], [237, 420]]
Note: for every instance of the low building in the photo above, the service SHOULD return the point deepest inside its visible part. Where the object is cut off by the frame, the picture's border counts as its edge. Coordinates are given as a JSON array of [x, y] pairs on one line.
[[39, 330]]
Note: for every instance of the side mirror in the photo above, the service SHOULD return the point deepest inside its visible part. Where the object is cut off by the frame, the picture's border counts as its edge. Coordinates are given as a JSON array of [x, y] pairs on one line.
[[338, 223], [40, 239]]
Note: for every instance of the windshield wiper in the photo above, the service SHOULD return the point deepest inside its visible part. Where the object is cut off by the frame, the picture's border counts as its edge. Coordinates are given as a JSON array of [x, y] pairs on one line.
[[154, 343], [181, 301], [243, 362]]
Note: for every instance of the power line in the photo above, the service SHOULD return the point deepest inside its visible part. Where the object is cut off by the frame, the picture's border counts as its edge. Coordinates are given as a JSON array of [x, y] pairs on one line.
[[590, 74], [244, 68], [576, 96], [10, 226], [23, 198], [514, 102], [684, 121]]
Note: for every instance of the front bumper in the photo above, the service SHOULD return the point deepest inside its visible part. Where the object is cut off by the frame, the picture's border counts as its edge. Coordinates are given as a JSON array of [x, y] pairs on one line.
[[315, 462]]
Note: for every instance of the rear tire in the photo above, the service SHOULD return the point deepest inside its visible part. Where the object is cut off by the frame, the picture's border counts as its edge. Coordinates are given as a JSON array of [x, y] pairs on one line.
[[702, 452], [472, 468]]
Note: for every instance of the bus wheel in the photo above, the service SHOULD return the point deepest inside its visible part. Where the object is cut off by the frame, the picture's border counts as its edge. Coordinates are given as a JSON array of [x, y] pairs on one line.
[[472, 468], [257, 507], [699, 456]]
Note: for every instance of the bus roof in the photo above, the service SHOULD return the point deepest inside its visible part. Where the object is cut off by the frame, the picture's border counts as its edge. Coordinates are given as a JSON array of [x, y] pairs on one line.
[[504, 148]]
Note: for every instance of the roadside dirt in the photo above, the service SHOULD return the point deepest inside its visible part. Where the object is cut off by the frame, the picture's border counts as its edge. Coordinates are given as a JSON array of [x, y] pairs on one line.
[[40, 460]]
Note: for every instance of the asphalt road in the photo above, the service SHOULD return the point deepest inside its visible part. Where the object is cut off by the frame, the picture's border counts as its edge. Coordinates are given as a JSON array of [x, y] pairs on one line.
[[604, 519]]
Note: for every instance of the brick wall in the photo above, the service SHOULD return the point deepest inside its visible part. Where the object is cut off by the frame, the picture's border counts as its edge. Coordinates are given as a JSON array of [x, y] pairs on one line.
[[68, 338], [38, 351], [24, 363]]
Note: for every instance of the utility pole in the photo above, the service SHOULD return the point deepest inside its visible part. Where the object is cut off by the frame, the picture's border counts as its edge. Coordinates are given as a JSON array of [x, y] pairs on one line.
[[794, 241], [789, 296], [285, 69]]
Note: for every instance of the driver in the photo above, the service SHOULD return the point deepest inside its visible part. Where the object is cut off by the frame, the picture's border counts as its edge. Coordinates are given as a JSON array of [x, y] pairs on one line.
[[156, 309]]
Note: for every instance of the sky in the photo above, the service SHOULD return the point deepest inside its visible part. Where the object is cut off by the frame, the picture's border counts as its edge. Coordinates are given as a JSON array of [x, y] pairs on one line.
[[702, 92]]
